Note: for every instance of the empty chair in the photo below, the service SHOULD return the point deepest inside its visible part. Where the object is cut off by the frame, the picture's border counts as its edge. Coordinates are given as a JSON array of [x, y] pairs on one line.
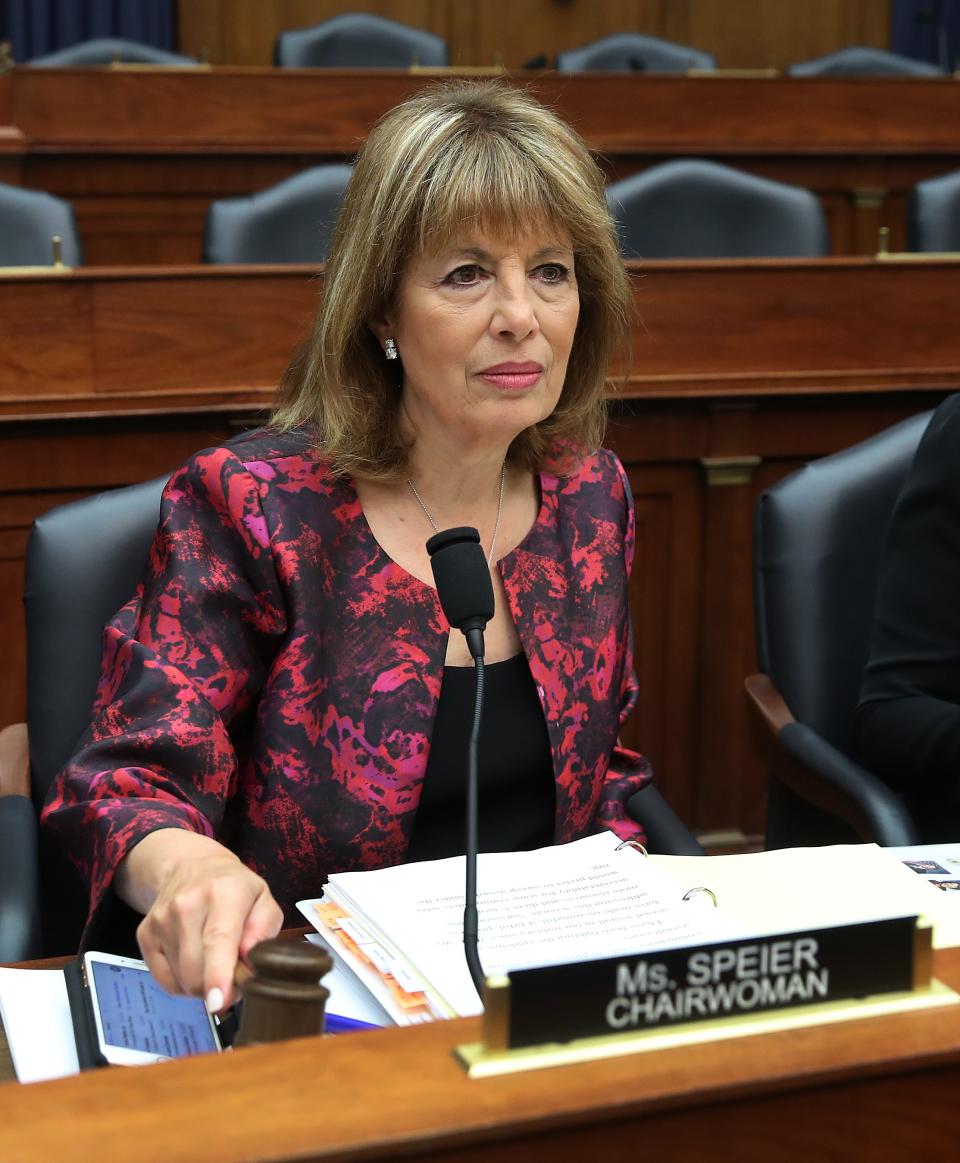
[[933, 214], [630, 52], [28, 221], [698, 209], [818, 538], [105, 51], [289, 222], [861, 60], [359, 40]]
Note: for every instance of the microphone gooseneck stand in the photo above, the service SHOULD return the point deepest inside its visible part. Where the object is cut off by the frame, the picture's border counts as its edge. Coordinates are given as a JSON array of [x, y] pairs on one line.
[[471, 946], [466, 597]]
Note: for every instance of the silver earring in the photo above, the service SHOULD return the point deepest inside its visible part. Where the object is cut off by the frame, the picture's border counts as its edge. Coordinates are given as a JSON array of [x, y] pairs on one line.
[[390, 348]]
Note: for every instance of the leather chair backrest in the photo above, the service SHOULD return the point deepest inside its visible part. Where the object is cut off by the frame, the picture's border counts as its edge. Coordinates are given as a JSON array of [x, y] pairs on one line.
[[699, 209], [818, 537], [862, 60], [359, 40], [84, 560], [106, 50], [933, 214], [631, 52], [289, 222], [28, 221]]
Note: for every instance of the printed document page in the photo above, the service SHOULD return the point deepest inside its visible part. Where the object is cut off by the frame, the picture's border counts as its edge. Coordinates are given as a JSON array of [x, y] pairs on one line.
[[572, 902], [37, 1022], [797, 888]]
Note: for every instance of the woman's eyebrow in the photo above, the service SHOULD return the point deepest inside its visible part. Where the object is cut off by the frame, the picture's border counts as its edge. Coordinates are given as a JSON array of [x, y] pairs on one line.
[[553, 249], [476, 252], [481, 255]]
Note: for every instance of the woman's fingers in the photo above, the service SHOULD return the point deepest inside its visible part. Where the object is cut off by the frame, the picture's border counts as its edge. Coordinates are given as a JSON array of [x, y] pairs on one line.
[[263, 921], [206, 916], [231, 903], [156, 959]]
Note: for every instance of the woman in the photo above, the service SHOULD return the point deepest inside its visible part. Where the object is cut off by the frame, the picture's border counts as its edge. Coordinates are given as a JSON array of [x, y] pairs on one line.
[[282, 697]]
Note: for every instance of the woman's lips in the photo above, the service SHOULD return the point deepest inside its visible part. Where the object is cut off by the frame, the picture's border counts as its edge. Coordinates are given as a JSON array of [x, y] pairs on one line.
[[513, 376]]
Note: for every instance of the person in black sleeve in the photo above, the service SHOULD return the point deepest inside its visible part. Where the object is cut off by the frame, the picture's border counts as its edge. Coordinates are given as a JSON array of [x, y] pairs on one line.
[[908, 719]]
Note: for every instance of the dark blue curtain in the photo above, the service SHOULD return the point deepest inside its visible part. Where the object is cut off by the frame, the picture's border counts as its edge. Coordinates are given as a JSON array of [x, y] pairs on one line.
[[928, 30], [35, 27]]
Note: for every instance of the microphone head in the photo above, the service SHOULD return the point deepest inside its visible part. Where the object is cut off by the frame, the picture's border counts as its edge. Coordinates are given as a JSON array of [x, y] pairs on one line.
[[462, 576]]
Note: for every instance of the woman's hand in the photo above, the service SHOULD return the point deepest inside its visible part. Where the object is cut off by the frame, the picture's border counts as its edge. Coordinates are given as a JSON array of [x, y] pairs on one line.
[[205, 910]]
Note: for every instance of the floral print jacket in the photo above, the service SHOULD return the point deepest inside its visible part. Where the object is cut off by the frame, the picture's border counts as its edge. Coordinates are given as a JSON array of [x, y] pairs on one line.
[[274, 680]]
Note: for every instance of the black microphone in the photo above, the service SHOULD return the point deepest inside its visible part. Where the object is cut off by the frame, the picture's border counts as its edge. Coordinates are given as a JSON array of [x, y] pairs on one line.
[[466, 597], [463, 583]]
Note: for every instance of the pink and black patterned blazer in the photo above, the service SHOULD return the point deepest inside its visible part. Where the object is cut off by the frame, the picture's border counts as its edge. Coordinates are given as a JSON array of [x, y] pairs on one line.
[[274, 680]]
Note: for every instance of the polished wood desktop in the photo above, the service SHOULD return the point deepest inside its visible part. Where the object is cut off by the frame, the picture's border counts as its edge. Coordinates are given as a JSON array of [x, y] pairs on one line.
[[142, 152], [740, 371], [879, 1089]]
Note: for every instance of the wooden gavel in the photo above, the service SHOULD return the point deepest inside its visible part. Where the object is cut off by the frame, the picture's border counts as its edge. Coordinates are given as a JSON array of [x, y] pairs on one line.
[[282, 994]]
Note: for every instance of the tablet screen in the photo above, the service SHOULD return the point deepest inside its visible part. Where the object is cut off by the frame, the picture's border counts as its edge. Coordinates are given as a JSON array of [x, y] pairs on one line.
[[138, 1014]]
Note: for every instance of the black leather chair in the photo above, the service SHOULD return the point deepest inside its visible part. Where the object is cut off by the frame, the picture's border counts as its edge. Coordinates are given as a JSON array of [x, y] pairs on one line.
[[665, 831], [359, 40], [933, 214], [106, 50], [289, 222], [818, 537], [630, 52], [83, 562], [861, 60], [699, 209], [28, 221]]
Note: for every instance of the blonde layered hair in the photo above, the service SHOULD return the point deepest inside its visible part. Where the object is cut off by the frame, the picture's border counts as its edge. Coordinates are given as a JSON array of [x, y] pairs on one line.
[[454, 158]]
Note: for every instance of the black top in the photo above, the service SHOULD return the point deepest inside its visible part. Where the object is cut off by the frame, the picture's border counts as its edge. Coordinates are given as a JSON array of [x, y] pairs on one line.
[[909, 715], [515, 769]]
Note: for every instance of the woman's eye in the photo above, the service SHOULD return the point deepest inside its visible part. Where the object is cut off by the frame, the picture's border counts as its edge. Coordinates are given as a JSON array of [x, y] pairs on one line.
[[465, 276], [553, 272]]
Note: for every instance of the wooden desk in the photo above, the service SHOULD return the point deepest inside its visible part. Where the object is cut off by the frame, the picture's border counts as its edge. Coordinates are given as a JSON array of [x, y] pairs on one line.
[[740, 372], [141, 154], [112, 341], [879, 1089]]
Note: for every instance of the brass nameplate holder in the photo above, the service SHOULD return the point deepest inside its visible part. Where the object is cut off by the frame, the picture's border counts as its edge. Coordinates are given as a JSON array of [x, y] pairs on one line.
[[734, 74], [495, 70], [917, 256], [57, 266], [563, 1014], [154, 67], [885, 254]]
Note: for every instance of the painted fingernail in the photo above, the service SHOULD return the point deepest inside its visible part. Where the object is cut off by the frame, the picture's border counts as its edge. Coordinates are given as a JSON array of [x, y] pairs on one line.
[[214, 1001]]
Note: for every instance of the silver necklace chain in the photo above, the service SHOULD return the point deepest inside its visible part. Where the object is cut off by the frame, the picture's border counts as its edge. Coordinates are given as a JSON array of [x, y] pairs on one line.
[[496, 527]]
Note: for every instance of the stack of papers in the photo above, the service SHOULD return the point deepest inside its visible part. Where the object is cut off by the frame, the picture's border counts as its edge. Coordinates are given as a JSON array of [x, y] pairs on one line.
[[400, 929]]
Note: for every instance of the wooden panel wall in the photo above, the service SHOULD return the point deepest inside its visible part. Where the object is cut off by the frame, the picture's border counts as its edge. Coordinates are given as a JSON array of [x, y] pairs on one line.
[[768, 33], [740, 33], [242, 32]]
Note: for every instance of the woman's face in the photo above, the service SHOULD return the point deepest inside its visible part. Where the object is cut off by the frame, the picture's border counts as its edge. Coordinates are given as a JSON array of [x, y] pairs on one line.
[[484, 331]]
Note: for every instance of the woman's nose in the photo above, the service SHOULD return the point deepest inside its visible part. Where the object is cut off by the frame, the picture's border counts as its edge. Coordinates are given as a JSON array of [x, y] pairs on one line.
[[514, 311]]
